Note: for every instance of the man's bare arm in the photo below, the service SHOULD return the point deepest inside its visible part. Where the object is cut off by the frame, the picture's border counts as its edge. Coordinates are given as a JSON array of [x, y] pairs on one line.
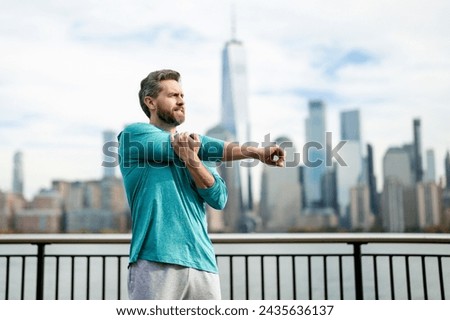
[[271, 155]]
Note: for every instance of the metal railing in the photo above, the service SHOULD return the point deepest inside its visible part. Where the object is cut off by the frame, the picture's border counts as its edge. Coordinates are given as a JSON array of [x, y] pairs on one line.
[[252, 266]]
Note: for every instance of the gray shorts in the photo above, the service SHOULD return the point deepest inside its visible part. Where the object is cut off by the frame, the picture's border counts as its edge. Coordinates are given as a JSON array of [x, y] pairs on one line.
[[149, 280]]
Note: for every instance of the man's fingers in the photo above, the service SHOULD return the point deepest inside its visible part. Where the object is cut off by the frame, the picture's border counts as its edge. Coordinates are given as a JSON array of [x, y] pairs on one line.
[[194, 136], [280, 162], [281, 154], [194, 141], [276, 157]]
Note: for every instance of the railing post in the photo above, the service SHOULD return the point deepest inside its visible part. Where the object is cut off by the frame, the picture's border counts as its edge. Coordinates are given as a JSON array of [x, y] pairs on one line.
[[358, 270], [40, 271]]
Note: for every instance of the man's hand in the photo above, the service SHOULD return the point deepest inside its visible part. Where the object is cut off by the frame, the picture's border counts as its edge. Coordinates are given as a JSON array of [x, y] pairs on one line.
[[186, 146], [272, 155]]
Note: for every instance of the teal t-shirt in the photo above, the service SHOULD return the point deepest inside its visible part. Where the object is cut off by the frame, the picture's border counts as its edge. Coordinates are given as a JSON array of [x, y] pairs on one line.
[[168, 214]]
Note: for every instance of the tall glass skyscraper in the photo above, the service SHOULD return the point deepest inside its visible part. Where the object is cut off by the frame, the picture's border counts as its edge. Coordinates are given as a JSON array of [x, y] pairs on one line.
[[314, 170], [396, 165], [430, 173], [372, 181], [109, 140], [348, 176], [447, 170], [235, 91], [350, 125], [280, 205], [18, 173], [417, 161], [235, 116], [397, 177]]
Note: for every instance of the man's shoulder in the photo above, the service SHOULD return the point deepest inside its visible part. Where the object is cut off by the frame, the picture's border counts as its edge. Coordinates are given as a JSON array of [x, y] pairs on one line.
[[141, 131], [137, 126], [133, 129]]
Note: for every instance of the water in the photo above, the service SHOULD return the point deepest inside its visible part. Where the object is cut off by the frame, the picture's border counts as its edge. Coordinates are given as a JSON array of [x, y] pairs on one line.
[[113, 266]]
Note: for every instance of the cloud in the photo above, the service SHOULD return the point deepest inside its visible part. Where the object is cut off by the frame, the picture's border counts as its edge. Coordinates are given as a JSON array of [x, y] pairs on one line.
[[332, 61], [303, 93], [161, 34]]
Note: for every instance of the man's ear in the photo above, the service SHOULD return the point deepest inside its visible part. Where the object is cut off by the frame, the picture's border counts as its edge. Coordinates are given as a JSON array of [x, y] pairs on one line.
[[150, 103]]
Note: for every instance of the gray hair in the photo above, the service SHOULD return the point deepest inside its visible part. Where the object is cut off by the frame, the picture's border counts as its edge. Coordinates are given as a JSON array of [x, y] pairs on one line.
[[150, 85]]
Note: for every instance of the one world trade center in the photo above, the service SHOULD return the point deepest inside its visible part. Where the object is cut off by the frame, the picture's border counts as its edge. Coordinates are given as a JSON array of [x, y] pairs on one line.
[[235, 119]]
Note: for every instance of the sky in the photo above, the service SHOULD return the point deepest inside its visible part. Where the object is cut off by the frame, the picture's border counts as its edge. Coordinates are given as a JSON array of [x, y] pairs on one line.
[[71, 69]]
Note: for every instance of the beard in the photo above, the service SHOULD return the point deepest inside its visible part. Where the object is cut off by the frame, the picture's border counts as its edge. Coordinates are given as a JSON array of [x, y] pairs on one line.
[[169, 118]]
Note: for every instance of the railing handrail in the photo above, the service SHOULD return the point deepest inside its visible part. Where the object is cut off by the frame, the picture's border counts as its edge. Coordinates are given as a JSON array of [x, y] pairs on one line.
[[241, 238]]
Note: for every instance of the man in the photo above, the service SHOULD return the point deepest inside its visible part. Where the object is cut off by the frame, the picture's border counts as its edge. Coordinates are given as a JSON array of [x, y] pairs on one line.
[[168, 180]]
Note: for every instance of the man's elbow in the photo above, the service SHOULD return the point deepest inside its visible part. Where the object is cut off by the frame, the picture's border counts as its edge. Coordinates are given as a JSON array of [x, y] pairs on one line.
[[220, 202]]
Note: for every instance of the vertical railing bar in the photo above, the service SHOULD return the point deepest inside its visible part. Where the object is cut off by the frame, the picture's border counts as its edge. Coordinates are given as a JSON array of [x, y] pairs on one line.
[[88, 277], [391, 277], [309, 278], [57, 279], [278, 277], [341, 279], [375, 277], [119, 269], [103, 278], [325, 278], [22, 285], [263, 295], [408, 277], [247, 283], [358, 270], [294, 279], [441, 278], [230, 262], [40, 271], [72, 277], [424, 275], [7, 278]]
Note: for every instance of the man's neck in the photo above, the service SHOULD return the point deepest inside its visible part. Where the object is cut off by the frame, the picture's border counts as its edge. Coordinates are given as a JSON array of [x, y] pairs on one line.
[[164, 126]]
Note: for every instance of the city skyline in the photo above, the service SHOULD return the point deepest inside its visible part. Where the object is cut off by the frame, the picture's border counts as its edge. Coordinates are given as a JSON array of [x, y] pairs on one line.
[[72, 71], [108, 135], [217, 131]]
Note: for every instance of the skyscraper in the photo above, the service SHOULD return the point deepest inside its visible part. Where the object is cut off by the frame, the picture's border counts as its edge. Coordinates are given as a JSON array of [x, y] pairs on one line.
[[392, 205], [417, 161], [430, 173], [447, 170], [372, 182], [348, 176], [230, 218], [429, 206], [280, 204], [315, 126], [329, 188], [446, 192], [235, 117], [396, 165], [350, 125], [109, 146], [398, 205], [18, 176], [361, 217]]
